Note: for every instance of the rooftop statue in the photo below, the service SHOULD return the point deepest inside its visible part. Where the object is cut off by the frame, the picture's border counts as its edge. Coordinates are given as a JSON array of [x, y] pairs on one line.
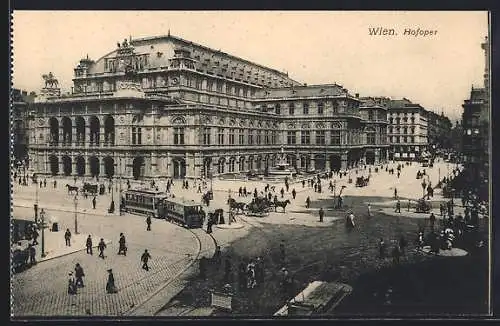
[[50, 80]]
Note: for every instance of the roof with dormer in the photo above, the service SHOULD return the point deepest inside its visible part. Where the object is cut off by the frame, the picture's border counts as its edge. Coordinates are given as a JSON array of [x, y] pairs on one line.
[[303, 91]]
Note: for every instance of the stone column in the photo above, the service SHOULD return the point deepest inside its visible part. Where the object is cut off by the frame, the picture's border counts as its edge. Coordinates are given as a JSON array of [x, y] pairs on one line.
[[377, 156], [102, 173], [312, 162], [168, 171]]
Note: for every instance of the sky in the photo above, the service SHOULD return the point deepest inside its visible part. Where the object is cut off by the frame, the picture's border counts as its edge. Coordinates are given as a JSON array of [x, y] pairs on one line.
[[314, 47]]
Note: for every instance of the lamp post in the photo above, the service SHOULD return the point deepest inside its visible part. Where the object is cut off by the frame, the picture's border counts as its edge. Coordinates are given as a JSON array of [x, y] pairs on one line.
[[42, 215], [75, 200], [120, 189]]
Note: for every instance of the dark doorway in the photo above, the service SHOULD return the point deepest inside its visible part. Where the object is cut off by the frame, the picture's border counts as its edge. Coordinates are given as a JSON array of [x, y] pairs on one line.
[[319, 163], [95, 126], [109, 130]]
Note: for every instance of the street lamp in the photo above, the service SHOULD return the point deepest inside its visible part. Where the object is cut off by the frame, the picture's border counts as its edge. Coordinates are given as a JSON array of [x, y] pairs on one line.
[[42, 215], [75, 200]]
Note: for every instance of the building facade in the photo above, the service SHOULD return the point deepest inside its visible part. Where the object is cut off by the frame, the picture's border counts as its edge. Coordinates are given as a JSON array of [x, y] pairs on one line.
[[20, 106], [166, 107], [408, 129], [476, 118], [439, 131]]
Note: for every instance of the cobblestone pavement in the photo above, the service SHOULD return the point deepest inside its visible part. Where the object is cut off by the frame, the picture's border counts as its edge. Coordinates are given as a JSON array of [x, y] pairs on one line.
[[42, 289]]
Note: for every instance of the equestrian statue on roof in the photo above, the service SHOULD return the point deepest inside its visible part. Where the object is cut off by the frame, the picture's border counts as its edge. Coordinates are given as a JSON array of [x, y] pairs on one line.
[[50, 80]]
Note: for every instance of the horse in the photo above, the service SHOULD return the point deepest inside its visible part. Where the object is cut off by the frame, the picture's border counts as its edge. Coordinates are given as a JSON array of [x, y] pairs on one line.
[[233, 204], [72, 188], [281, 204]]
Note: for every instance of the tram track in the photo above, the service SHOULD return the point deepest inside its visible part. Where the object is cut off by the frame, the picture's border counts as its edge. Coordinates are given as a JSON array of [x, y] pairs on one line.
[[197, 233]]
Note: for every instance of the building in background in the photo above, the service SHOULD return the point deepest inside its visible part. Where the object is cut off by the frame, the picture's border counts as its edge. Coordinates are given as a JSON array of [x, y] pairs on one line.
[[476, 119], [167, 107], [408, 130], [21, 103], [439, 132]]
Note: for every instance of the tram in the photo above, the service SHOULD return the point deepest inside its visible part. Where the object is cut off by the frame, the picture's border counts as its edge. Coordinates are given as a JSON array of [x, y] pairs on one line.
[[187, 213], [144, 202]]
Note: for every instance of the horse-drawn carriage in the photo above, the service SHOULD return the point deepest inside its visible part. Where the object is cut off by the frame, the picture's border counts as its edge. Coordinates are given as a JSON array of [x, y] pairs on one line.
[[91, 189], [259, 206], [362, 181], [423, 206], [20, 256]]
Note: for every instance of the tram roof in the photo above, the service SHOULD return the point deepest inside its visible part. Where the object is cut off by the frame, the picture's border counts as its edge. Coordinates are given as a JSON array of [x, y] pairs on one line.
[[183, 201], [148, 192]]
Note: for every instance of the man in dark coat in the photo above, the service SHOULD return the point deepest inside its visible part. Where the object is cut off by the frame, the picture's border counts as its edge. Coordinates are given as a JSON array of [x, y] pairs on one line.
[[93, 202], [67, 237], [294, 193], [110, 285], [32, 254], [308, 202], [148, 222], [88, 245], [145, 258], [35, 236], [79, 274], [122, 248], [101, 246], [321, 214]]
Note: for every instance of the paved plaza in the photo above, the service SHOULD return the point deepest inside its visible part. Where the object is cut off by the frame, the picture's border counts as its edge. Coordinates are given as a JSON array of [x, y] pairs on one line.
[[42, 289]]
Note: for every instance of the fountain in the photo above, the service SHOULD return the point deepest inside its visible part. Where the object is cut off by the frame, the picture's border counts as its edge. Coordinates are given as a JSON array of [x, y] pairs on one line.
[[282, 168]]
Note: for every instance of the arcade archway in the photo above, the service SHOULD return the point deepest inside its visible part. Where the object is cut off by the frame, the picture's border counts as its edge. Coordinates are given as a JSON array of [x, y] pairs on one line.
[[54, 130], [370, 157], [54, 164], [67, 130], [80, 166], [320, 162], [207, 166], [221, 165], [179, 168], [335, 163], [80, 129], [66, 160], [95, 125], [109, 166], [109, 130], [94, 166]]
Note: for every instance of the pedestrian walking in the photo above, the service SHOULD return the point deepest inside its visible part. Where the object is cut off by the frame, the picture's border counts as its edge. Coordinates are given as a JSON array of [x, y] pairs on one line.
[[210, 222], [148, 222], [398, 207], [122, 247], [382, 247], [101, 246], [369, 210], [396, 254], [110, 284], [72, 289], [432, 220], [88, 245], [93, 202], [32, 254], [67, 237], [79, 274], [217, 256], [395, 193], [45, 183], [144, 259], [55, 184], [402, 244], [321, 214], [294, 193], [34, 235], [308, 202]]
